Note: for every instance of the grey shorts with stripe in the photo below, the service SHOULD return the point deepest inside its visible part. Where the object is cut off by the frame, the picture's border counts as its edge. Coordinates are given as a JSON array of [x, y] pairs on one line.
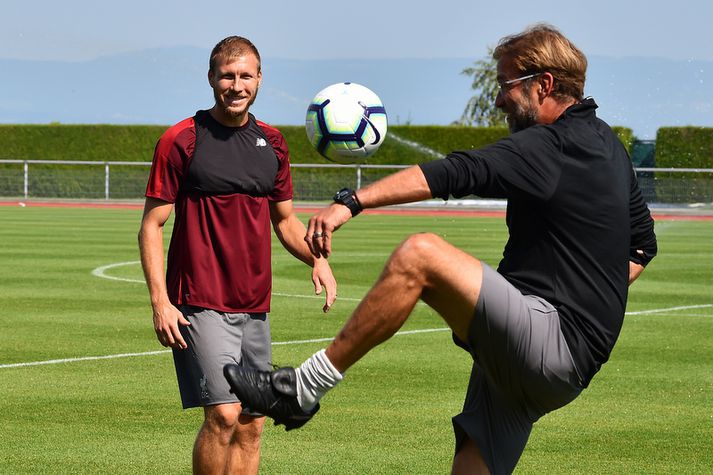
[[522, 369], [215, 339]]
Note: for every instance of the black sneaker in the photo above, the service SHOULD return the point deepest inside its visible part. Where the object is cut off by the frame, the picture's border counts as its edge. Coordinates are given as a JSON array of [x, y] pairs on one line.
[[273, 394]]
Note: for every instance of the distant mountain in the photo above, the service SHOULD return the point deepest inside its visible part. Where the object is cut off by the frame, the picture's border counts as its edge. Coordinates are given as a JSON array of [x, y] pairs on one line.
[[163, 86]]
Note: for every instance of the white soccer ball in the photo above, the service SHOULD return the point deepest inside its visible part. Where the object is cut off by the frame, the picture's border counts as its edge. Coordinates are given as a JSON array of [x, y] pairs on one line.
[[346, 122]]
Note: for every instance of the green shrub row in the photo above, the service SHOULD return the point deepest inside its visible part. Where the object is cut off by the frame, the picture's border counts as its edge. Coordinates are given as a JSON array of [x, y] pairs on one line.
[[135, 143], [680, 147], [684, 147], [122, 143]]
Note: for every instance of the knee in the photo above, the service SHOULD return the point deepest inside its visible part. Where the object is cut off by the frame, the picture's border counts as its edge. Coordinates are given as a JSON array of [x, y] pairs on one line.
[[231, 426], [223, 418], [250, 427], [413, 255]]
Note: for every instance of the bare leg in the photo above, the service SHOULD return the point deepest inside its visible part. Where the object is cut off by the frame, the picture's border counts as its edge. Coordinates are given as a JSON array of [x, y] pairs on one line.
[[228, 442], [423, 267], [469, 460]]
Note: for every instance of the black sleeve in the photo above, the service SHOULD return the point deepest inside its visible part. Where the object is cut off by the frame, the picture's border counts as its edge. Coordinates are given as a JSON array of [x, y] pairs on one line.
[[643, 245], [459, 174], [529, 166]]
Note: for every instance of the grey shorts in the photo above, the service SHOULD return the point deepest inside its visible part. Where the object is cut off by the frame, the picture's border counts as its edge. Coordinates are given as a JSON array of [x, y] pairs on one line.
[[522, 369], [215, 339]]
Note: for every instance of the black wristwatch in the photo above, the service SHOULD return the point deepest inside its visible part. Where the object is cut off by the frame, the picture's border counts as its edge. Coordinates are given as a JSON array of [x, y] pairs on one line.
[[348, 198]]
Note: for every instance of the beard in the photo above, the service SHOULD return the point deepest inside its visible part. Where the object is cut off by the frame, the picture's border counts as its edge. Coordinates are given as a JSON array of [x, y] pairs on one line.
[[524, 115], [232, 113]]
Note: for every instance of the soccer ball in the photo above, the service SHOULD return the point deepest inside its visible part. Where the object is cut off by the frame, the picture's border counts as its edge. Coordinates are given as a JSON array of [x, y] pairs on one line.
[[346, 122]]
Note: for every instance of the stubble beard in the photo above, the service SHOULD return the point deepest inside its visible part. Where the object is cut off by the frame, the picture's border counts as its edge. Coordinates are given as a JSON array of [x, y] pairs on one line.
[[524, 115], [232, 113]]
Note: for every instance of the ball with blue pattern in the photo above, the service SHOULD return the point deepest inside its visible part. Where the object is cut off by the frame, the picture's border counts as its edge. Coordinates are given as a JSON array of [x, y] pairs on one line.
[[346, 122]]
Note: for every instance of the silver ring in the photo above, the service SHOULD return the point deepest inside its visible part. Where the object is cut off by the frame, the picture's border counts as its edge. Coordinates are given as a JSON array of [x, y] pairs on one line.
[[317, 235]]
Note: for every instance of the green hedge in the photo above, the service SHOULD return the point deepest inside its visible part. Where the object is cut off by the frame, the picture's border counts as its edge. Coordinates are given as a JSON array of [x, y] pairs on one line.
[[626, 135], [689, 147], [391, 151], [684, 147], [123, 143], [442, 139], [135, 143]]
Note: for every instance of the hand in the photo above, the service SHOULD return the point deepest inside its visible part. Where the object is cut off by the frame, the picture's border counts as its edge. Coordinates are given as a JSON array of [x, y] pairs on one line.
[[322, 277], [322, 225], [635, 271], [166, 319]]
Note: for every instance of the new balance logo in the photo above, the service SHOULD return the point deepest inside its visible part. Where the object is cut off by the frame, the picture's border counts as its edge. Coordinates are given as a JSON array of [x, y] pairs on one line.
[[261, 142]]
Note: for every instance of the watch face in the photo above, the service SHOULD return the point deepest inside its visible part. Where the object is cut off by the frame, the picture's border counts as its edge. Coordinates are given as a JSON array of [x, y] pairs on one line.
[[342, 194], [345, 196]]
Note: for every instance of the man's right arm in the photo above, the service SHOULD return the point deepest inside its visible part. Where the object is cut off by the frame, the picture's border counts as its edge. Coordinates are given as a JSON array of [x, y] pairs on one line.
[[166, 317], [406, 186]]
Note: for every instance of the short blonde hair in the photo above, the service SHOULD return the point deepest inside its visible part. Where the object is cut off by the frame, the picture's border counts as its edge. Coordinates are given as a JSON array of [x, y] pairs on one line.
[[542, 48], [233, 47]]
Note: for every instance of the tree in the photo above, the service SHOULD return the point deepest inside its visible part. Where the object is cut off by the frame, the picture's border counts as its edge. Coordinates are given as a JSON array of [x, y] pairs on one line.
[[481, 110]]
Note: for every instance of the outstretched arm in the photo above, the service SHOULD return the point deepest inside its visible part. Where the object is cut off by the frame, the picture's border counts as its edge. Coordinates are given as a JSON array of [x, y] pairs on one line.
[[290, 231], [405, 186]]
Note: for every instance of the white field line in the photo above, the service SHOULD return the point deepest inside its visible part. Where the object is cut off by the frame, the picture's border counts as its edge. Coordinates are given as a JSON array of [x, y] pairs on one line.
[[160, 352], [99, 272], [299, 342], [671, 309]]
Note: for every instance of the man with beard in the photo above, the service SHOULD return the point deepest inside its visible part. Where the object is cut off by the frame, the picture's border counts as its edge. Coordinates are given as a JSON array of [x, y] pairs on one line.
[[228, 175], [540, 327]]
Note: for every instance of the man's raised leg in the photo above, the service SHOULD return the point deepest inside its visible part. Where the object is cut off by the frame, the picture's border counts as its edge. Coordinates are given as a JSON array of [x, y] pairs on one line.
[[423, 267]]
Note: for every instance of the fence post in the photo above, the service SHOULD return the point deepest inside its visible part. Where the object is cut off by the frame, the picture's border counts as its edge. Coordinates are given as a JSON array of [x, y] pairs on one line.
[[106, 180], [358, 183], [26, 171]]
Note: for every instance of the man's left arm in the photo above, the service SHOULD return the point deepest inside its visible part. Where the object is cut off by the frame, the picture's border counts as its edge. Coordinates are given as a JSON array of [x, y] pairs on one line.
[[291, 232], [643, 246]]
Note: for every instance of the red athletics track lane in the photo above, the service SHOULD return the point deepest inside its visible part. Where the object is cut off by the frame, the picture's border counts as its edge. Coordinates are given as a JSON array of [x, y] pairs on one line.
[[314, 209]]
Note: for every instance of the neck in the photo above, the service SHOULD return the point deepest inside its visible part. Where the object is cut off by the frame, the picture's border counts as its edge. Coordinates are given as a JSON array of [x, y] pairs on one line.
[[551, 109], [226, 119]]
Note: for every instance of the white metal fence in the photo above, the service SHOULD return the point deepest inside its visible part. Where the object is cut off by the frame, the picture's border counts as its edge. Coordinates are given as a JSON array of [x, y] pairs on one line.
[[113, 180]]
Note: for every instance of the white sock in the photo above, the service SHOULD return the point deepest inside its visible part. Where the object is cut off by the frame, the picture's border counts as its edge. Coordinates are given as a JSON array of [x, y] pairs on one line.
[[315, 377]]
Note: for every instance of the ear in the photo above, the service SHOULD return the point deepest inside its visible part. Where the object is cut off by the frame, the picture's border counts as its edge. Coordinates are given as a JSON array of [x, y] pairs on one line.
[[546, 84], [210, 78]]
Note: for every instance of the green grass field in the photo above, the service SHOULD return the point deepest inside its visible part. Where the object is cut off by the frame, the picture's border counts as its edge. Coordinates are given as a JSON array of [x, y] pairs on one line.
[[71, 289]]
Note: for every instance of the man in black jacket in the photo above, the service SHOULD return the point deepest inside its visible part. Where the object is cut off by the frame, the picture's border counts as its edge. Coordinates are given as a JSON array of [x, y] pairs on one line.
[[541, 326]]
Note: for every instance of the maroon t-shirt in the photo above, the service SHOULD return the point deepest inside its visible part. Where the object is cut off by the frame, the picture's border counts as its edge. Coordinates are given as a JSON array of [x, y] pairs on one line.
[[220, 180]]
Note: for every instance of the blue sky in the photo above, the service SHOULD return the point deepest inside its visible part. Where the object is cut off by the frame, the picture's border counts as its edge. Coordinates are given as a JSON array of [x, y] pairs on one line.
[[320, 29], [651, 63]]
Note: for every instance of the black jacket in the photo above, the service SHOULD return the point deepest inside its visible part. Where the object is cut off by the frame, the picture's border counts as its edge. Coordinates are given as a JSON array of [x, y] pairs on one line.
[[575, 215]]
